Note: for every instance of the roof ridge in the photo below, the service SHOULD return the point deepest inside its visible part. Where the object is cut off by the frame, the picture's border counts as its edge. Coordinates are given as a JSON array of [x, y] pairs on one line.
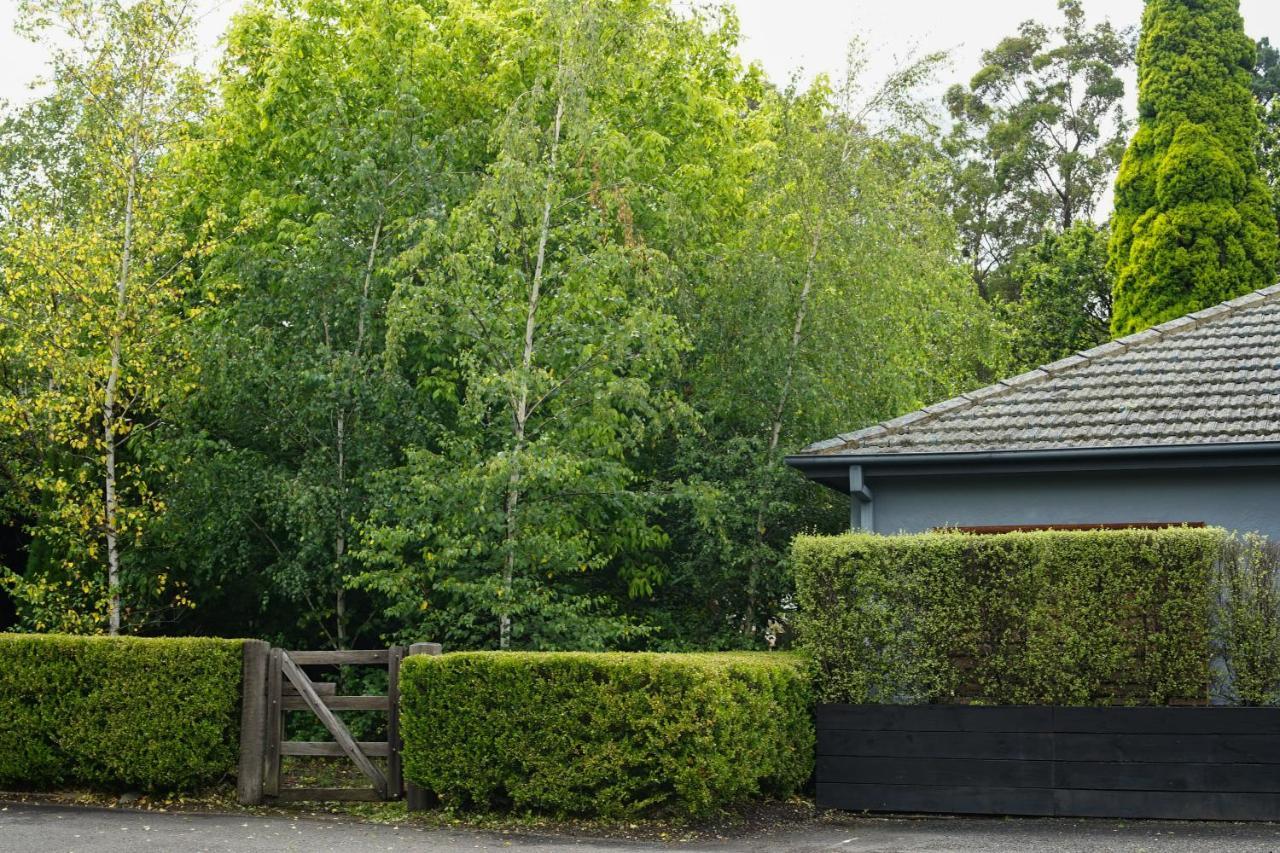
[[1118, 346]]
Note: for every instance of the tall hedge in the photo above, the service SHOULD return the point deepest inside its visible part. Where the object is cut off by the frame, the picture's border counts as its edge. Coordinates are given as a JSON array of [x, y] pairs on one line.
[[1246, 622], [118, 714], [1194, 223], [605, 734], [1093, 617]]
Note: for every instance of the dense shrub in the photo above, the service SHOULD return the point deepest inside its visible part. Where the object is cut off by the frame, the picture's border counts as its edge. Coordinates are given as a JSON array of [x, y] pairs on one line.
[[606, 734], [1246, 623], [1091, 617], [124, 713], [1194, 221]]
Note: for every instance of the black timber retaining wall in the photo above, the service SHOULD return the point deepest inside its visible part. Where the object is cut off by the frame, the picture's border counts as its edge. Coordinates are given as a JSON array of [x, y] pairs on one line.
[[1187, 763]]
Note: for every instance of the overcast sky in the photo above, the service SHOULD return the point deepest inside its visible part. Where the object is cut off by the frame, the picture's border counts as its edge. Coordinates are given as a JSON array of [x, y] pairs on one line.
[[784, 35]]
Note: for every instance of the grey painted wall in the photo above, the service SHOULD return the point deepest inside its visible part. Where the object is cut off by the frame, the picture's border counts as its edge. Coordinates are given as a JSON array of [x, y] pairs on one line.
[[1244, 499]]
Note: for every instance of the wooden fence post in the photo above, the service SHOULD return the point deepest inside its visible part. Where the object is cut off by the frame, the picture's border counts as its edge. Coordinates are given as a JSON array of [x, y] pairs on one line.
[[253, 722], [416, 798], [275, 726], [395, 773]]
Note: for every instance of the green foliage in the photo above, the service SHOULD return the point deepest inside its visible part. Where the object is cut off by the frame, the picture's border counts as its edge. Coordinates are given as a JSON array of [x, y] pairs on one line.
[[1246, 623], [1194, 220], [608, 735], [1072, 618], [1037, 134], [509, 313], [815, 315], [95, 299], [118, 714], [540, 305], [312, 175], [1266, 90], [1065, 296]]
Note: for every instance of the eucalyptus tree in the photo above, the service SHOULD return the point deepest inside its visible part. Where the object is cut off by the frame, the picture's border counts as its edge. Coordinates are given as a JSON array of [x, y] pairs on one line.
[[1038, 134], [95, 298]]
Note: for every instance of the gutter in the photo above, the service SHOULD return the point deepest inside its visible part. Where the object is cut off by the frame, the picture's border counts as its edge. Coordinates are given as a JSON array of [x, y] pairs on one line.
[[834, 470]]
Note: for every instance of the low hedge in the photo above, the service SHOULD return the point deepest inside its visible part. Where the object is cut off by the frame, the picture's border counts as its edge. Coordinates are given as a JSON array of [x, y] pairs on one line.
[[118, 713], [612, 735], [1054, 617]]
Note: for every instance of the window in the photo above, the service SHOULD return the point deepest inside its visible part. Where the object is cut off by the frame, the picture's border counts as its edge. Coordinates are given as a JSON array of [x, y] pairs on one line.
[[1021, 528]]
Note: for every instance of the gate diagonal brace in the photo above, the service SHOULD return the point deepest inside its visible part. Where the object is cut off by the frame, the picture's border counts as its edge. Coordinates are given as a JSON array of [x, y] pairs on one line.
[[307, 691]]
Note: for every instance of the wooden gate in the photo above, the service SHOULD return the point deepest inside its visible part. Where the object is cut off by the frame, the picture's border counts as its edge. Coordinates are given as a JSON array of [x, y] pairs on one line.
[[275, 683]]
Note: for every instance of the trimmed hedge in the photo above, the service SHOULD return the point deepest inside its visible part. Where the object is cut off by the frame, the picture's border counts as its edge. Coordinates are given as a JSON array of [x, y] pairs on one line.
[[1246, 623], [1054, 617], [619, 734], [118, 713]]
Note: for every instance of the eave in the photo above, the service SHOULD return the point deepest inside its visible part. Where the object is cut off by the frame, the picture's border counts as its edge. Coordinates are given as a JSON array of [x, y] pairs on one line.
[[832, 470]]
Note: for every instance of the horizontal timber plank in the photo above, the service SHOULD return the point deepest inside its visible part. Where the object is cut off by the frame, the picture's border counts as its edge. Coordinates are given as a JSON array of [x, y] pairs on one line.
[[1034, 746], [1167, 805], [346, 656], [339, 703], [1039, 746], [1174, 776], [926, 798], [1198, 748], [360, 795], [325, 747], [952, 772], [1168, 720], [324, 688], [1008, 718], [935, 718]]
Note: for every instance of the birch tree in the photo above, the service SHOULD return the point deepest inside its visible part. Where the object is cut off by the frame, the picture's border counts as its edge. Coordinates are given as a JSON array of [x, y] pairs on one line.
[[839, 302], [548, 301], [93, 301], [316, 166]]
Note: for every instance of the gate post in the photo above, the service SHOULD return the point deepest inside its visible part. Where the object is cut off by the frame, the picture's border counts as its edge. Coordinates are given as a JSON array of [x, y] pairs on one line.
[[253, 722], [395, 774], [416, 798]]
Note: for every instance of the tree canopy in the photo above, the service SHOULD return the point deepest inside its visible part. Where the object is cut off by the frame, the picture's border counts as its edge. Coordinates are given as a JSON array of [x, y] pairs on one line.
[[96, 300], [1194, 222], [1266, 89], [493, 322], [1038, 133]]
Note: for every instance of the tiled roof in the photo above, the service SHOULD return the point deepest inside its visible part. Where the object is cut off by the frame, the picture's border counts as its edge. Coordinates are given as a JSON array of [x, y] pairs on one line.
[[1211, 377]]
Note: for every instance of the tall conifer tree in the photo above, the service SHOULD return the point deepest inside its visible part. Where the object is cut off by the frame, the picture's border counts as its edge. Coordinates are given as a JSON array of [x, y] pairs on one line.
[[1193, 222]]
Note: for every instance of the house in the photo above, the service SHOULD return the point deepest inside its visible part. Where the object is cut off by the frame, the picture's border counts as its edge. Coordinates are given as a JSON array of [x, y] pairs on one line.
[[1177, 424]]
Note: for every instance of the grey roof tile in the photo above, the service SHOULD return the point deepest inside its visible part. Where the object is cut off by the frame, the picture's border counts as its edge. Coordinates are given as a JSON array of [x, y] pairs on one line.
[[948, 405], [1064, 364], [1109, 348], [1210, 377], [1024, 378], [1144, 337], [983, 393]]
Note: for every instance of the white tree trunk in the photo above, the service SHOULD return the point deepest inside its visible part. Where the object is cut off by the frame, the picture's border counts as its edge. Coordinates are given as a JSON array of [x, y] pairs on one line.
[[110, 425], [340, 443], [521, 401], [775, 427]]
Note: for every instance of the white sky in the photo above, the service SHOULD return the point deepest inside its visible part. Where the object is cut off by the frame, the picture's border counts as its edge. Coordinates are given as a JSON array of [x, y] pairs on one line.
[[784, 35]]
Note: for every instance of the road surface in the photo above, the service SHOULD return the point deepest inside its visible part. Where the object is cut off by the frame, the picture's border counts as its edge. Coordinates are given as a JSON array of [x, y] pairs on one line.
[[28, 828]]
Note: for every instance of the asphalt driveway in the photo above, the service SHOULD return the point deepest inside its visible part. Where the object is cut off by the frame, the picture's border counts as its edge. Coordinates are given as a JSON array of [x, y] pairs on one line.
[[46, 829]]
